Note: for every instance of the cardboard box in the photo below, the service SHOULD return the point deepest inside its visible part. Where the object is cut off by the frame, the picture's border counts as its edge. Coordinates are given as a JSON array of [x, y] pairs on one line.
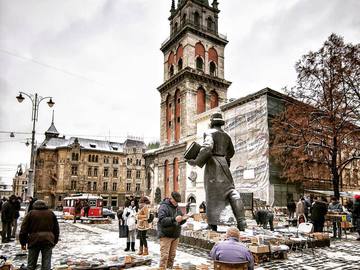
[[259, 249]]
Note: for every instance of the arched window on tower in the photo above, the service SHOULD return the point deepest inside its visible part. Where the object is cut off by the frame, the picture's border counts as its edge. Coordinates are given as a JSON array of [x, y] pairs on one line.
[[149, 181], [200, 100], [183, 19], [176, 175], [166, 178], [170, 63], [212, 68], [171, 70], [210, 24], [180, 64], [199, 63], [177, 102], [196, 18], [179, 57], [200, 55], [214, 99], [168, 119], [175, 27]]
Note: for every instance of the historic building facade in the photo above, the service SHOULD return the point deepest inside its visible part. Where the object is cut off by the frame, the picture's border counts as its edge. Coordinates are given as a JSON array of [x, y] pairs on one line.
[[77, 165], [193, 84], [20, 182]]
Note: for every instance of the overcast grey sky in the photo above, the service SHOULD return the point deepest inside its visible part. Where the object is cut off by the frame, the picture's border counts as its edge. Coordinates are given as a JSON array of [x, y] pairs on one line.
[[100, 60]]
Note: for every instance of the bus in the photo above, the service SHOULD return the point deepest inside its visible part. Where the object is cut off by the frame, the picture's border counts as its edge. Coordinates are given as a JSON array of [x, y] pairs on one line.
[[95, 203]]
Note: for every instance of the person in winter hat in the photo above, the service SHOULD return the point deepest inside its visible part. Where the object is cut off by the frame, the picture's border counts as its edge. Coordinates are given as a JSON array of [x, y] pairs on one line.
[[143, 225], [170, 219], [129, 216]]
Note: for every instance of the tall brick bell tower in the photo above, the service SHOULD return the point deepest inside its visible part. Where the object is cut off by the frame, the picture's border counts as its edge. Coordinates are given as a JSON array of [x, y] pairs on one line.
[[193, 84]]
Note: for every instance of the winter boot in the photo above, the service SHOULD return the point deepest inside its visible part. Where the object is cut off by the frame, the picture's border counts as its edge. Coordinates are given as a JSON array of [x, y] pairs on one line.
[[132, 246], [146, 251], [140, 251], [238, 209], [127, 246]]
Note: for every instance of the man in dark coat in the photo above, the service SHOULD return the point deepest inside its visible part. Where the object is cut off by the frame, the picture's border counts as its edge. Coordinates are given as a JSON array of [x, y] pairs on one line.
[[8, 212], [216, 152], [318, 212], [170, 219], [40, 232], [77, 210], [17, 215], [291, 207]]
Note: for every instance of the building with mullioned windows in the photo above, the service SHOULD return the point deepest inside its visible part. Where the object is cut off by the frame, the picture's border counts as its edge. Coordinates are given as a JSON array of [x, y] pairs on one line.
[[66, 166]]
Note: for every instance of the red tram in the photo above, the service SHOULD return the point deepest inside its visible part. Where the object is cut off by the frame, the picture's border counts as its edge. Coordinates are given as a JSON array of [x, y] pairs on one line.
[[95, 203]]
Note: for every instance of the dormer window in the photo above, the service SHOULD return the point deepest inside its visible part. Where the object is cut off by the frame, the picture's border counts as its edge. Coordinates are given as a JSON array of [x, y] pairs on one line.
[[92, 145]]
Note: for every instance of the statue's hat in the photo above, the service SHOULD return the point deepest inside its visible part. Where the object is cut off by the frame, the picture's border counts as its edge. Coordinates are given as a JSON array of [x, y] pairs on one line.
[[217, 119]]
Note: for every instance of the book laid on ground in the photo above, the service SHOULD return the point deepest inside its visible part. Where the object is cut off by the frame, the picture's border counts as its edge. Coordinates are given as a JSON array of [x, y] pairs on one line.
[[192, 151]]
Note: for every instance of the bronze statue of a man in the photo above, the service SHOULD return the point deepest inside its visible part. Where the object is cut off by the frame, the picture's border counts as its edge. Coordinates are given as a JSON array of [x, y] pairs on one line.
[[216, 152]]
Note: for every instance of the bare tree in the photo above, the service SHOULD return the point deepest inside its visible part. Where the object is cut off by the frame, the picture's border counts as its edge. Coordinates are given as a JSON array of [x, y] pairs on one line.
[[319, 127]]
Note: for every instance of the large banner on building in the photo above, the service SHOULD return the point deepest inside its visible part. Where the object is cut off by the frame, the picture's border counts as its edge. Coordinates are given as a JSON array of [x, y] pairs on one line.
[[247, 125]]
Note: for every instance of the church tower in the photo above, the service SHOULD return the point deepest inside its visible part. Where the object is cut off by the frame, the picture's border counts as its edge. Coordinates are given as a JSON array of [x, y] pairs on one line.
[[193, 84], [193, 68]]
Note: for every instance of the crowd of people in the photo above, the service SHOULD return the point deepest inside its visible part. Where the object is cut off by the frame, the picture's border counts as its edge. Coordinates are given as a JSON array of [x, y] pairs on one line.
[[314, 209], [39, 231]]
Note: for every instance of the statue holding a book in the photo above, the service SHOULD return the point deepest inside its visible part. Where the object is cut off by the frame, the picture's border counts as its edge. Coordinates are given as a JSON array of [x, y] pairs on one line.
[[215, 153]]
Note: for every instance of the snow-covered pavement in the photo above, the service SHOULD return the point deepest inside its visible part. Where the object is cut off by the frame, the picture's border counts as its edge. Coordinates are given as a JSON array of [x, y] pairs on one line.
[[86, 242]]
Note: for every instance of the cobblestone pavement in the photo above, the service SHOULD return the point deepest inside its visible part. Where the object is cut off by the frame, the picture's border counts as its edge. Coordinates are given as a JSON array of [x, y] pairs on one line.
[[100, 242]]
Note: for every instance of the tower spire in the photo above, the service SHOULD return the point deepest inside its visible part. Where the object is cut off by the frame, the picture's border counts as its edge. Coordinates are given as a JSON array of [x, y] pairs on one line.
[[215, 4], [52, 119], [172, 10]]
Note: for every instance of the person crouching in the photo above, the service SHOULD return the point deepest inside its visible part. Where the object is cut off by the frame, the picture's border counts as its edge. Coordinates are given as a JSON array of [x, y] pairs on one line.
[[143, 225]]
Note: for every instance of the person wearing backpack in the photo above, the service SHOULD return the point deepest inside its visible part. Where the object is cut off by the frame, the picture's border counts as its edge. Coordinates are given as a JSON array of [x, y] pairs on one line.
[[143, 218]]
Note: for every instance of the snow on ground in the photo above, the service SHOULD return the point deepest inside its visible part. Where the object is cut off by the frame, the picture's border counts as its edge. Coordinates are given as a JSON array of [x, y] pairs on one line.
[[100, 242]]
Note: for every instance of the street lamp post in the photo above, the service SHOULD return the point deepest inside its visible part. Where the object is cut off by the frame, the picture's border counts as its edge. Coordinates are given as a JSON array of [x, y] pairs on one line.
[[35, 100]]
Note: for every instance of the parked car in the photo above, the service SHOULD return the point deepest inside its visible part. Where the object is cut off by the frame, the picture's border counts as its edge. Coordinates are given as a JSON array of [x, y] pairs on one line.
[[108, 213]]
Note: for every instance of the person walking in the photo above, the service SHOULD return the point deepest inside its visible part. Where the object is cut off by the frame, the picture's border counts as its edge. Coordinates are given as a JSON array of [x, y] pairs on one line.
[[291, 207], [17, 215], [31, 203], [8, 212], [77, 210], [143, 225], [39, 233], [336, 207], [318, 213], [170, 219], [356, 214], [129, 216]]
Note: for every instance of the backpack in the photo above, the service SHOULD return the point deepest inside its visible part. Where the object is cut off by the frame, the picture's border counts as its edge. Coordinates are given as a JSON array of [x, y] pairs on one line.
[[151, 218]]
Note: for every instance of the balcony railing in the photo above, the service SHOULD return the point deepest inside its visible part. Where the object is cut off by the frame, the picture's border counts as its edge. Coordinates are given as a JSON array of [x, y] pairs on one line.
[[191, 23]]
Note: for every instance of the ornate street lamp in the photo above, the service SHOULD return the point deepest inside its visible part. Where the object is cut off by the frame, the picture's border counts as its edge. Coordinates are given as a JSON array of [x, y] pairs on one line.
[[35, 100]]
